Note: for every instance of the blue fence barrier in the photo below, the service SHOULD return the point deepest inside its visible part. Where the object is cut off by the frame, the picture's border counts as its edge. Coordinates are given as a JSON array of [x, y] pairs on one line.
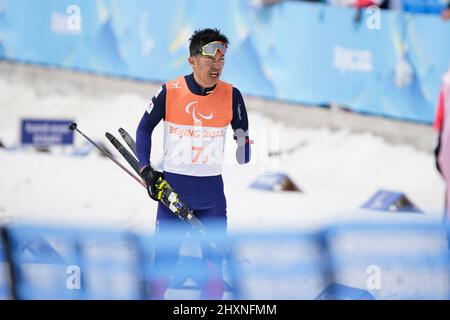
[[391, 261], [385, 63], [5, 283], [272, 266], [54, 263], [351, 261], [424, 6]]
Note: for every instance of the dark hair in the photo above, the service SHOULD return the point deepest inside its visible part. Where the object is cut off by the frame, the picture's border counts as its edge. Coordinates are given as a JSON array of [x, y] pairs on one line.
[[204, 36]]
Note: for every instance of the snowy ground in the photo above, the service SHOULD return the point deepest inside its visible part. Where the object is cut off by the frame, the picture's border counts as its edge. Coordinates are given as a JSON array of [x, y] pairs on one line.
[[338, 171]]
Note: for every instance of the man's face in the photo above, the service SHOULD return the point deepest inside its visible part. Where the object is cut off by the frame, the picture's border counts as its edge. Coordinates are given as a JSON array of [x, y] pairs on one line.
[[207, 69]]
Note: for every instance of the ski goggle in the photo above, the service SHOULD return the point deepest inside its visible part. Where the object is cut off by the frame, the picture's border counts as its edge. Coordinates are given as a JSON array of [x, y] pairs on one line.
[[211, 48]]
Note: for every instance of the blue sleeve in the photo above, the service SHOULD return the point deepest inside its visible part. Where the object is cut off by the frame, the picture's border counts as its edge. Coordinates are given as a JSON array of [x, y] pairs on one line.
[[239, 123], [156, 111]]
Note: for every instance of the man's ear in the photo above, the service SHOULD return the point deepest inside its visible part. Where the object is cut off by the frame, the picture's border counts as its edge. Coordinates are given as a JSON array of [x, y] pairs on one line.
[[192, 61]]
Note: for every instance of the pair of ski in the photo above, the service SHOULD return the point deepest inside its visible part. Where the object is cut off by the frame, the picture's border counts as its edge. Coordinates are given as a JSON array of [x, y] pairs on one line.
[[166, 195]]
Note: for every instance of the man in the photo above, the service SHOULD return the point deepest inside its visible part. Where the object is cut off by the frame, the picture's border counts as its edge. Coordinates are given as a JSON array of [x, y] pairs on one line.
[[442, 127], [197, 109]]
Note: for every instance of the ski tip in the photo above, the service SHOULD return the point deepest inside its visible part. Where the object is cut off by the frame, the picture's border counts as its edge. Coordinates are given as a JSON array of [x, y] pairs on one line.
[[108, 135], [122, 132], [73, 126]]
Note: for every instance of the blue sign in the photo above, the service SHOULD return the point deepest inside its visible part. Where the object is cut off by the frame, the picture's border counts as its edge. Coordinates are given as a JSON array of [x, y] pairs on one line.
[[274, 182], [390, 201], [46, 132]]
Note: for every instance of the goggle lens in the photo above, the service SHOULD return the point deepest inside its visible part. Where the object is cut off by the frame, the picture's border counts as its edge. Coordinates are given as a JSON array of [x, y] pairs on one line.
[[211, 48]]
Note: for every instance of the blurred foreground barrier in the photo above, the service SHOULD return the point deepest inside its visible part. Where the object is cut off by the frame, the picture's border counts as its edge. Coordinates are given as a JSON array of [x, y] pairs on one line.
[[391, 261], [289, 265], [6, 289], [60, 263], [424, 6], [353, 261]]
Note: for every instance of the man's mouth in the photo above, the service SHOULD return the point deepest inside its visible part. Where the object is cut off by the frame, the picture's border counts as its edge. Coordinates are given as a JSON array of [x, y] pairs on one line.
[[214, 74]]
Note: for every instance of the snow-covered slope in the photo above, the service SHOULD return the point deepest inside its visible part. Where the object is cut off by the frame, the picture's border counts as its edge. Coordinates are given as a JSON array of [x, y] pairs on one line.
[[338, 171]]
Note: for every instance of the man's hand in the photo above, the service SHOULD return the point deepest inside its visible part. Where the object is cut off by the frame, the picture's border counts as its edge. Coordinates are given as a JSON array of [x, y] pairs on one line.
[[243, 146], [152, 180]]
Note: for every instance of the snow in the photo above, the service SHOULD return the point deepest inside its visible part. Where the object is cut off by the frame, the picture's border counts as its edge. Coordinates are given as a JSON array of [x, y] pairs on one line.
[[338, 171]]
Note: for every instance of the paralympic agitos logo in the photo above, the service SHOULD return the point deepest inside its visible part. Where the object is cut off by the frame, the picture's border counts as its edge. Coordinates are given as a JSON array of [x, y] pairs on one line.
[[196, 115]]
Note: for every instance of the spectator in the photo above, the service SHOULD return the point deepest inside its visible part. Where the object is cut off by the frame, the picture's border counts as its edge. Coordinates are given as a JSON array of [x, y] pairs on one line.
[[442, 127]]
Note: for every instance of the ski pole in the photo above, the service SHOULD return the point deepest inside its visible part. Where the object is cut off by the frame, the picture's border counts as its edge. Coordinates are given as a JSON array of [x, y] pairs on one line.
[[73, 127]]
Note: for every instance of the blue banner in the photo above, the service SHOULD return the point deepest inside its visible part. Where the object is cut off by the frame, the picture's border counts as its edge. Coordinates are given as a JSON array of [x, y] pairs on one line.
[[383, 63], [46, 132]]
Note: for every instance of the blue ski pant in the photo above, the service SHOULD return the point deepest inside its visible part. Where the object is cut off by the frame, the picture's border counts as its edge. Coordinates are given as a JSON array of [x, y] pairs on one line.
[[205, 197]]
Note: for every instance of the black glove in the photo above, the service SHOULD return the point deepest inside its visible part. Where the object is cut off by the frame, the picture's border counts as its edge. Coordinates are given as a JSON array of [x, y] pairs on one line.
[[152, 180]]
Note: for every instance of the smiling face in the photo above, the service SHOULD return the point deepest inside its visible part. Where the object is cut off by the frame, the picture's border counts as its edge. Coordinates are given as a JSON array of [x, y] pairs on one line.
[[207, 69]]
